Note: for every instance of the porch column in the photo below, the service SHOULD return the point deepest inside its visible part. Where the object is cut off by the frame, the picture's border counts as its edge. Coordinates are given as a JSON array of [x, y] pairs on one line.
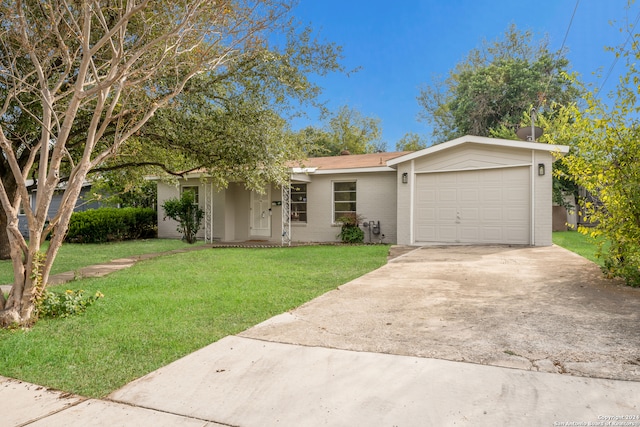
[[208, 212], [286, 213]]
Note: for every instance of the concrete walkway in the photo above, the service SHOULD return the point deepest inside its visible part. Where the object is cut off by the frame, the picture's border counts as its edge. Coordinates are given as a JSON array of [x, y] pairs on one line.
[[103, 269], [280, 372]]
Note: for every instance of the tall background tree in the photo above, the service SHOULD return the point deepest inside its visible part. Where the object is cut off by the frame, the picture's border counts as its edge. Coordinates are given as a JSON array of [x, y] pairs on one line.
[[411, 142], [494, 85], [344, 130], [80, 82]]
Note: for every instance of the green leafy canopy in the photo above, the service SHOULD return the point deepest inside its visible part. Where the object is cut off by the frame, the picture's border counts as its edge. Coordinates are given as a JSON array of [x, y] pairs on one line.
[[495, 85]]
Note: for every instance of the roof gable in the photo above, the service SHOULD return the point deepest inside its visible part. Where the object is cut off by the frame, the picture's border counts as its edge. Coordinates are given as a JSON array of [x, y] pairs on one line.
[[480, 140]]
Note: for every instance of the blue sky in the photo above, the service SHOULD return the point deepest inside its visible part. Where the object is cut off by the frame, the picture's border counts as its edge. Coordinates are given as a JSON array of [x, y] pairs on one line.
[[401, 45]]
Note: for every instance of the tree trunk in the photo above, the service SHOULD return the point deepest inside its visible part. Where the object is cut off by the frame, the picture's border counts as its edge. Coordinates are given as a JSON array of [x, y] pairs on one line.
[[31, 267], [10, 187], [19, 307], [5, 248]]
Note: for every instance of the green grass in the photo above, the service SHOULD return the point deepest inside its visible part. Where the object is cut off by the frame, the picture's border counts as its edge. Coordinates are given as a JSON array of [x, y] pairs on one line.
[[71, 257], [579, 243], [162, 309]]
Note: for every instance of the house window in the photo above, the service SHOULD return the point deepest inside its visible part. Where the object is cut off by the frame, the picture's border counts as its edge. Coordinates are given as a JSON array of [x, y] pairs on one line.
[[192, 188], [299, 202], [344, 199]]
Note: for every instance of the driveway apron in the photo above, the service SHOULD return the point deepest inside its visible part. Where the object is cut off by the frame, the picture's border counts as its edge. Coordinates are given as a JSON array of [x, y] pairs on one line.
[[544, 309], [439, 336]]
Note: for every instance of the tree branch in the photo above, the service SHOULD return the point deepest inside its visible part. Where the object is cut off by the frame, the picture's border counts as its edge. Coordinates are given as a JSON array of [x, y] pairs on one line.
[[142, 164]]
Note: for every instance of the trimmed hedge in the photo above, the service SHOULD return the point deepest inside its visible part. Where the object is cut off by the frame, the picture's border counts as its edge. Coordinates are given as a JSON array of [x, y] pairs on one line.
[[111, 224]]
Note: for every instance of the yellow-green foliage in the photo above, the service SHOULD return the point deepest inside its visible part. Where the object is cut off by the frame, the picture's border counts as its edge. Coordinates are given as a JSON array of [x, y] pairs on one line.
[[605, 160], [67, 304]]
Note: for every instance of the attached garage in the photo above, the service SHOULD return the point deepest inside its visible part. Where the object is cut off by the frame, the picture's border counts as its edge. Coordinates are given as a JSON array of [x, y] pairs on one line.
[[476, 190], [479, 206]]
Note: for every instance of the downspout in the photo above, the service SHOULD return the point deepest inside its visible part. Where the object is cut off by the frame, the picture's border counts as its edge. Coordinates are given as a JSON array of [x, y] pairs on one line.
[[533, 199], [411, 202]]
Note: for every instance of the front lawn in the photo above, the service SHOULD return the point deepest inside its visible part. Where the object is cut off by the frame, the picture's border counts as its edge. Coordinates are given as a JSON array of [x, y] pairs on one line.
[[164, 308], [579, 243], [73, 256]]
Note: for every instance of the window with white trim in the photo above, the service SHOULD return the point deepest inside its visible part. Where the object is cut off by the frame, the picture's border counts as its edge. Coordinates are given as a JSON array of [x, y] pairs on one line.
[[299, 202], [194, 189], [344, 199]]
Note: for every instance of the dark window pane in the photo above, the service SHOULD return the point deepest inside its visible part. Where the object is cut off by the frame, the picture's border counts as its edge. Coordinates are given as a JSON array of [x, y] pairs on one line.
[[345, 207], [345, 197], [344, 186]]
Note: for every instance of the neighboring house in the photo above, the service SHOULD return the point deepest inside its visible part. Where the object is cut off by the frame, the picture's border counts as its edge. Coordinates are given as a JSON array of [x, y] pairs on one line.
[[471, 190], [82, 204]]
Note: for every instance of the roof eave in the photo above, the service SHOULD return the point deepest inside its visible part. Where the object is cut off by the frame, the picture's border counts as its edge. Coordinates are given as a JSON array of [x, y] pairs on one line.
[[353, 170], [482, 140]]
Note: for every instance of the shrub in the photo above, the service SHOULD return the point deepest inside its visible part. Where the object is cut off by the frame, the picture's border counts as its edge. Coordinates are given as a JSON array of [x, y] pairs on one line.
[[67, 304], [111, 224], [187, 213], [351, 231], [623, 260]]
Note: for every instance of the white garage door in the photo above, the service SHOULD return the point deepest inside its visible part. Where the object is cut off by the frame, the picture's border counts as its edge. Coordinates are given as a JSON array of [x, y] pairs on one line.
[[481, 206]]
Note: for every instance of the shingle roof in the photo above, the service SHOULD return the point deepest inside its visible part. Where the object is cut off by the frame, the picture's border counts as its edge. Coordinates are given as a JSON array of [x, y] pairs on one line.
[[351, 161]]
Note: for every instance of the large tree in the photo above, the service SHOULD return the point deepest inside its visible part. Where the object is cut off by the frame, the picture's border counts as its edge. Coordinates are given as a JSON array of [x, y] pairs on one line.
[[494, 85], [347, 129], [228, 122], [79, 80]]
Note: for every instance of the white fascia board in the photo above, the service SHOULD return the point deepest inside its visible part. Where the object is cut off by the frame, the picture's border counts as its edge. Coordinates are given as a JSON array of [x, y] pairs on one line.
[[482, 140], [303, 170], [187, 176], [300, 177], [29, 182], [199, 175], [354, 170]]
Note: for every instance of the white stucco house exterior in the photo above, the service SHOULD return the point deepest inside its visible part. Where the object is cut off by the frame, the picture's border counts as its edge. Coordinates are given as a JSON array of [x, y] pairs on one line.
[[471, 190]]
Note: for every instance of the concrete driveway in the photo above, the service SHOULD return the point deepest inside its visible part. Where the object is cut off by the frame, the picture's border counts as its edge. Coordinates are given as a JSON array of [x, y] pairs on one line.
[[441, 336], [543, 309]]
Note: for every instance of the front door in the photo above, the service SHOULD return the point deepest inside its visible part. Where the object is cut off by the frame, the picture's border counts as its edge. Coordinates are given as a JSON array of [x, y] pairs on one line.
[[261, 213]]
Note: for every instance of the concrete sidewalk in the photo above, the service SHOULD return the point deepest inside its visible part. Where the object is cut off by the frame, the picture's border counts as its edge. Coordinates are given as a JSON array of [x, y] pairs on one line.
[[328, 362], [246, 382]]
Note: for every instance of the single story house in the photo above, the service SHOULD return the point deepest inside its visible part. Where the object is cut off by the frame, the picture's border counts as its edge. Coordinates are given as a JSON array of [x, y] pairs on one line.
[[85, 202], [471, 190]]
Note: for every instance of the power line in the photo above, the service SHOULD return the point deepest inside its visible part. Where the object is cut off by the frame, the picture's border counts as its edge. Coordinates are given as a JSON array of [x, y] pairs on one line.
[[566, 35], [615, 60]]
